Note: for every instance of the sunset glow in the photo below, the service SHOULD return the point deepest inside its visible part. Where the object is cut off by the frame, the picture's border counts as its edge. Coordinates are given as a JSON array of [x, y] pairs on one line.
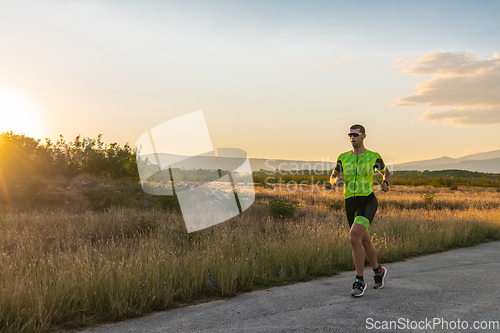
[[280, 80], [19, 114]]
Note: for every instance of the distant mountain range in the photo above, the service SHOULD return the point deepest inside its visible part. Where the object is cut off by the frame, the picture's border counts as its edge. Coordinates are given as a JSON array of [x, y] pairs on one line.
[[481, 162], [206, 161]]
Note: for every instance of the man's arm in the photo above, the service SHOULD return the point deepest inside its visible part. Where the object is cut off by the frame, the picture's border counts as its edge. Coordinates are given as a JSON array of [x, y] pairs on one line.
[[379, 166], [336, 177], [387, 175], [387, 178]]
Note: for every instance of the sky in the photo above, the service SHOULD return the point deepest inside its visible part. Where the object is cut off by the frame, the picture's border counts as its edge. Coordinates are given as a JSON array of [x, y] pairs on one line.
[[277, 79]]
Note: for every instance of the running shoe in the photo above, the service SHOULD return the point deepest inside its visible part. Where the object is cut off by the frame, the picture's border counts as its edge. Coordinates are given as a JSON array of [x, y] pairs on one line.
[[358, 288], [379, 279]]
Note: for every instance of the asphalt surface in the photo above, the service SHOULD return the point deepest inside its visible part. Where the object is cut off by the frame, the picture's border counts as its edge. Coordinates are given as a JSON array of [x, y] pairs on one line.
[[458, 288]]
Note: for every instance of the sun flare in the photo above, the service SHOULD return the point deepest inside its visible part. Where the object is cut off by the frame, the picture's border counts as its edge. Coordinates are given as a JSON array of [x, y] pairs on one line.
[[18, 114]]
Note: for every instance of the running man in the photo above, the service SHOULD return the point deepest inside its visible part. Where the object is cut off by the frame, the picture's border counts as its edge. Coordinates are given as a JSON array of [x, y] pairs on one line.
[[356, 168]]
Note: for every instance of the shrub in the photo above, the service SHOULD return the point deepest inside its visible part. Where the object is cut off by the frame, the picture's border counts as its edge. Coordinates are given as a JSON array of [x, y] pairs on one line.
[[282, 209], [335, 205], [167, 202], [103, 194], [428, 198], [82, 155]]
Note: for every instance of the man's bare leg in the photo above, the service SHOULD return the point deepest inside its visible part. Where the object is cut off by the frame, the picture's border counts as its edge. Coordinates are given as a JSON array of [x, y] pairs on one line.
[[358, 250], [362, 247], [371, 252]]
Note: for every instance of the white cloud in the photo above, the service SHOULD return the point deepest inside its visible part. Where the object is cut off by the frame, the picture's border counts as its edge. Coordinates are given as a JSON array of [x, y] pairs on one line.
[[401, 62], [464, 117], [469, 88]]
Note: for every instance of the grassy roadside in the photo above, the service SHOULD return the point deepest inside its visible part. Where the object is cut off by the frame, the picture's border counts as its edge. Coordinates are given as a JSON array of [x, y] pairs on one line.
[[68, 269]]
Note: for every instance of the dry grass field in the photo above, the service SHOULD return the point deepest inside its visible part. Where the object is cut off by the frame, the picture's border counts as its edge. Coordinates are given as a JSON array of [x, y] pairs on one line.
[[68, 265]]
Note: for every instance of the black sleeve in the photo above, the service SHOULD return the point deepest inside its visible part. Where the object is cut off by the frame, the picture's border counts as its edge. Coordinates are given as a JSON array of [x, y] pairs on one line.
[[338, 167], [379, 164]]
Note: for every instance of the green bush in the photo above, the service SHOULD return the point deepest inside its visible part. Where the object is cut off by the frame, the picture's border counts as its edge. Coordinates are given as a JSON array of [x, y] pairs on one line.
[[22, 156], [335, 205], [282, 209], [103, 194], [167, 202], [428, 198]]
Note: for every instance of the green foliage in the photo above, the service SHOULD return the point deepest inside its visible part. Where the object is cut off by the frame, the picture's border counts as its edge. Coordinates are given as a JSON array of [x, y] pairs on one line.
[[446, 178], [18, 155], [335, 205], [282, 209], [428, 197], [22, 156], [167, 202], [442, 178], [120, 193]]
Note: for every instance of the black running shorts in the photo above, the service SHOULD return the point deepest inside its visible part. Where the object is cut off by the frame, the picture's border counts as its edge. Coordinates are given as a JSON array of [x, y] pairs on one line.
[[365, 206]]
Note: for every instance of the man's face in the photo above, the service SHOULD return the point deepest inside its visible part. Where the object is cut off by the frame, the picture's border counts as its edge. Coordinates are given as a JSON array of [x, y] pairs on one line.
[[356, 140]]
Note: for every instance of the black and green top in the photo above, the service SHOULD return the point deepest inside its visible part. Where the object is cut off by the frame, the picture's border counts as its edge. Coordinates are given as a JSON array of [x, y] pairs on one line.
[[358, 171]]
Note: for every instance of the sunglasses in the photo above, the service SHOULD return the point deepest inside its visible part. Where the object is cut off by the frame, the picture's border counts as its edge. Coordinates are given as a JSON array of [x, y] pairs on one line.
[[354, 134]]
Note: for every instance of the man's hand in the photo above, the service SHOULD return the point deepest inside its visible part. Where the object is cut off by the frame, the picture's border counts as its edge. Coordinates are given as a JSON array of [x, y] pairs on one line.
[[336, 178], [384, 186]]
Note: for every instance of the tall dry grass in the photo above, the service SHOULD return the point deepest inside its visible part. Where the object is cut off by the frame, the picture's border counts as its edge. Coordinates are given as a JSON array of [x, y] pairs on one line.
[[61, 268]]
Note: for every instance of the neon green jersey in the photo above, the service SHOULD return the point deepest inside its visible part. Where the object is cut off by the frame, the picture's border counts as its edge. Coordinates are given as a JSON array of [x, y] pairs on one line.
[[358, 171]]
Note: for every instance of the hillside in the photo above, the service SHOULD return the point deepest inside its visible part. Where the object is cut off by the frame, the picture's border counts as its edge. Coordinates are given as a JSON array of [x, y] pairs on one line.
[[488, 162]]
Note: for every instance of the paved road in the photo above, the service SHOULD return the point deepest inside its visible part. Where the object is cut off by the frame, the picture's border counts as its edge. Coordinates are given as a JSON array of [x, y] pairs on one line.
[[457, 285]]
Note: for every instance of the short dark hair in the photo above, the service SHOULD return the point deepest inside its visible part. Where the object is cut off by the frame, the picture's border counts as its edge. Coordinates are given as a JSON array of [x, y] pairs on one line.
[[360, 127]]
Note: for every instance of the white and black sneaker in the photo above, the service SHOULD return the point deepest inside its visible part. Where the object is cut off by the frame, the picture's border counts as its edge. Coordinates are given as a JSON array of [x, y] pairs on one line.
[[358, 288]]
